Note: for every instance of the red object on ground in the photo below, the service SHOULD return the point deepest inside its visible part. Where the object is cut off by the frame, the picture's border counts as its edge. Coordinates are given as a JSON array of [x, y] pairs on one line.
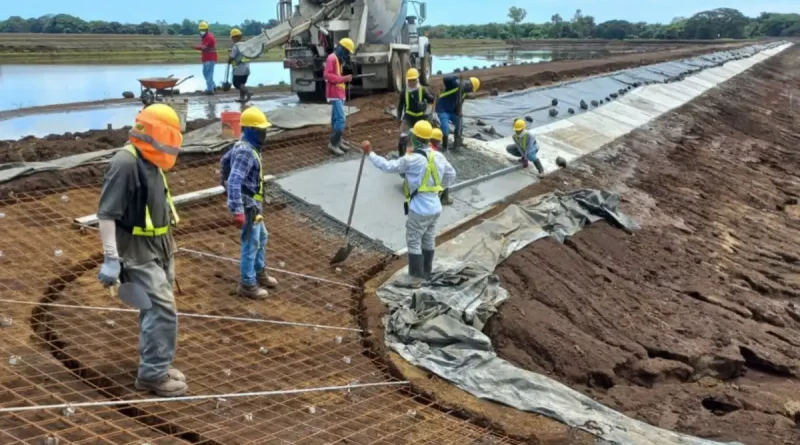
[[208, 47], [159, 83], [231, 125]]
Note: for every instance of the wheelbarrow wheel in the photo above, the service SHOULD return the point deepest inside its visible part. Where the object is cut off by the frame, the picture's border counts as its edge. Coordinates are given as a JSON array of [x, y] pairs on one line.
[[148, 98]]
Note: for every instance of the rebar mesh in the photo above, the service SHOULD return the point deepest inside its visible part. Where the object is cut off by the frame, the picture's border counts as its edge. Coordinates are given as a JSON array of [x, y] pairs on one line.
[[69, 355]]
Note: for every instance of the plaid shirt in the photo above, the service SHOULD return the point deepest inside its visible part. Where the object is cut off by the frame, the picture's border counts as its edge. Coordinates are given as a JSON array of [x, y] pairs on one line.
[[240, 170]]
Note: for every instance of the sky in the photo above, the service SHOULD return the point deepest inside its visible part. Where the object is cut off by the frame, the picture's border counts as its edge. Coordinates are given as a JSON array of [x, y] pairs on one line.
[[439, 11]]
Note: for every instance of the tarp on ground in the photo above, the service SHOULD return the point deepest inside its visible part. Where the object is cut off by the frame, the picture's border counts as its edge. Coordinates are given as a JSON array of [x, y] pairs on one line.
[[208, 139], [439, 327]]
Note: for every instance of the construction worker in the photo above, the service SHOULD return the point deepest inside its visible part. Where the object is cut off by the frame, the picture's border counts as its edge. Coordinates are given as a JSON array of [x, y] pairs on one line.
[[336, 92], [412, 107], [427, 173], [241, 67], [525, 146], [208, 48], [242, 175], [449, 104], [135, 217]]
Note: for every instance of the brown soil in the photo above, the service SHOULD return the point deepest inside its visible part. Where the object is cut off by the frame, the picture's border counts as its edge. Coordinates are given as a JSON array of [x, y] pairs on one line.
[[691, 324]]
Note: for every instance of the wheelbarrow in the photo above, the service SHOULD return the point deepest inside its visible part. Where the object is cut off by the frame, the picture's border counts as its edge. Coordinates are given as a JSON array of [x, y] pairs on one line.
[[156, 88]]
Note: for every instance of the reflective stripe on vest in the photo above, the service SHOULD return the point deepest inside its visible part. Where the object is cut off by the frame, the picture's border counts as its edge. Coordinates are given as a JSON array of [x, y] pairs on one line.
[[149, 229], [523, 144], [451, 92], [408, 104], [259, 197], [424, 187], [339, 72]]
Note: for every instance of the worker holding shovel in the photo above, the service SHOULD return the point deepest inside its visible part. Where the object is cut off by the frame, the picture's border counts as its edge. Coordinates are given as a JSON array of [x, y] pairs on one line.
[[241, 67], [427, 173], [242, 175], [135, 217], [336, 92]]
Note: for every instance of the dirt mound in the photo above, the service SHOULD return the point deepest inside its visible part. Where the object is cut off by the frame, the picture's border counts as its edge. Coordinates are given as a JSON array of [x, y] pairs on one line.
[[691, 324]]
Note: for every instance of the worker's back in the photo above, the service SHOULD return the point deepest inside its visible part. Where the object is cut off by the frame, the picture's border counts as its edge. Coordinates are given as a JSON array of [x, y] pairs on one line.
[[425, 203]]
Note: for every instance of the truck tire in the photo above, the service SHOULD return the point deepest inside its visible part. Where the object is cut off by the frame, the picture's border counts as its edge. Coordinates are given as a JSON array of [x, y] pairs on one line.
[[318, 95], [405, 59], [397, 75]]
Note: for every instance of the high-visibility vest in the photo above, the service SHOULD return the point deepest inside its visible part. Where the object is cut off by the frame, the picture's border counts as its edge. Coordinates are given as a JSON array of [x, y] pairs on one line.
[[339, 72], [420, 100], [423, 186], [452, 91], [522, 142], [149, 229], [260, 195]]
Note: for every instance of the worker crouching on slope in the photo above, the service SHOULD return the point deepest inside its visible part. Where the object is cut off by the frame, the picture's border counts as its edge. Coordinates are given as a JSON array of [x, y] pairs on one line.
[[525, 146], [449, 106], [208, 55], [412, 107], [135, 216], [336, 92], [427, 173], [243, 178], [241, 67]]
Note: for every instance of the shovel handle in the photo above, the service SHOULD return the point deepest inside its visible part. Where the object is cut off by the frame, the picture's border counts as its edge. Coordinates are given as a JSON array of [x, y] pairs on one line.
[[355, 195]]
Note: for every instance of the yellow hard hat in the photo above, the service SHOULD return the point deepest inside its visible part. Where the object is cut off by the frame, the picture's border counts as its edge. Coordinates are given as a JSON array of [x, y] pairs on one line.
[[476, 84], [254, 118], [423, 130], [235, 32], [348, 44], [203, 25], [412, 74], [519, 125], [437, 135]]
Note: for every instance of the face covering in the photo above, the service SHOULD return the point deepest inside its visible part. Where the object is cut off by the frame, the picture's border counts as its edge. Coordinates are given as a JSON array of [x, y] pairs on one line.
[[411, 87], [203, 33], [254, 137]]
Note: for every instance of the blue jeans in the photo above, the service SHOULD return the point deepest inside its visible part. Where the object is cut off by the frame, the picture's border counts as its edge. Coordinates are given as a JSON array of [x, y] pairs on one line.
[[337, 115], [208, 74], [254, 253], [444, 122]]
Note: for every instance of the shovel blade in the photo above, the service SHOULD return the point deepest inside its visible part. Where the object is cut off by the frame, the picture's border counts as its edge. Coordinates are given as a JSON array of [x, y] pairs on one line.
[[134, 295], [342, 254], [226, 87]]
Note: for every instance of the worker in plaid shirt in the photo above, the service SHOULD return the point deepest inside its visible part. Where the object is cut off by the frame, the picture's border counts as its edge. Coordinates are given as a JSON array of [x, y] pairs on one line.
[[242, 175]]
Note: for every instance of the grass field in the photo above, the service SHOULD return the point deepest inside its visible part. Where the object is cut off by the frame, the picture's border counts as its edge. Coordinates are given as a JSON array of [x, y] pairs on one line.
[[87, 48]]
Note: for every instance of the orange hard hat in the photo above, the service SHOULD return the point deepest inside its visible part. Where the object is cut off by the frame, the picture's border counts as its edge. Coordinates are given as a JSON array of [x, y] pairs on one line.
[[157, 135]]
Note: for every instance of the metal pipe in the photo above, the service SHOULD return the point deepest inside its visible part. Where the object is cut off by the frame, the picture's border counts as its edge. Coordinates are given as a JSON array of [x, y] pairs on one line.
[[495, 174]]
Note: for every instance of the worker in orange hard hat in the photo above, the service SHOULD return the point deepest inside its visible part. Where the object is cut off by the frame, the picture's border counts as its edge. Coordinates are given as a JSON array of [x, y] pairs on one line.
[[135, 216], [412, 107]]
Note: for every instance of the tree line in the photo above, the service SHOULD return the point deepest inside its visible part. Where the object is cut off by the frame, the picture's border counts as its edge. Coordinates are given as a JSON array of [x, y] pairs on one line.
[[725, 23], [721, 23]]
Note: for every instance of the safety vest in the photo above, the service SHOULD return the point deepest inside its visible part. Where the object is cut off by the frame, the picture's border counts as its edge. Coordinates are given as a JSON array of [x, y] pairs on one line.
[[452, 91], [522, 142], [339, 72], [149, 229], [259, 197], [420, 102], [423, 186]]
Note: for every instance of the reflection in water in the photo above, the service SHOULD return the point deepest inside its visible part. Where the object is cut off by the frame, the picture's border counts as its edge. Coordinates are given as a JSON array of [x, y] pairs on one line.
[[211, 110]]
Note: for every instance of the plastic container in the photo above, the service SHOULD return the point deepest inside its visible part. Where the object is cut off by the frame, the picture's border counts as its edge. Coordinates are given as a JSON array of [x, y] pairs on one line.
[[231, 127]]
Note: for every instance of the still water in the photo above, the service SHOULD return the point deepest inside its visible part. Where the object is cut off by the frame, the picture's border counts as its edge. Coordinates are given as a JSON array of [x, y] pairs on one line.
[[23, 86]]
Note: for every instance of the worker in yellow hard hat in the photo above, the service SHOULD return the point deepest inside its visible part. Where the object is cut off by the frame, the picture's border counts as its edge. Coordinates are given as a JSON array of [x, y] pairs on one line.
[[427, 174], [242, 175], [412, 107], [135, 217], [208, 49], [241, 67], [449, 106], [525, 147], [336, 92], [436, 139]]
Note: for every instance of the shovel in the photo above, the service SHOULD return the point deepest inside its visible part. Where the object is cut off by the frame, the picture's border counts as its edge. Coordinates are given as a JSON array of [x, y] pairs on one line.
[[226, 86], [344, 252], [132, 294]]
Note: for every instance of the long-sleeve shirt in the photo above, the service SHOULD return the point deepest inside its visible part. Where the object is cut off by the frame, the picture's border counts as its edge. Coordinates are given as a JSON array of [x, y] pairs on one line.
[[526, 142], [416, 104], [241, 66], [335, 87], [242, 170], [413, 166], [208, 48], [448, 100]]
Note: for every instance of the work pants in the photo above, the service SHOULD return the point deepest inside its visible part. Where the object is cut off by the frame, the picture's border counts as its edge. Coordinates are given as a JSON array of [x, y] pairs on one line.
[[420, 232], [444, 122], [254, 251], [158, 326], [208, 74], [514, 150], [239, 83]]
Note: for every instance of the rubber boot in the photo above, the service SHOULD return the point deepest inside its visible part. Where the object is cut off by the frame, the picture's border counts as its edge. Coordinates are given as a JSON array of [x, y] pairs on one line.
[[416, 271], [247, 95], [253, 292], [266, 280], [334, 142], [163, 387], [445, 141], [427, 263], [538, 164], [445, 198]]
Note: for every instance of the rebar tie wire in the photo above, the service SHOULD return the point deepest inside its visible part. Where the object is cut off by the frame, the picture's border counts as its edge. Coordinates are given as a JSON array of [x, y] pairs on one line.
[[17, 409]]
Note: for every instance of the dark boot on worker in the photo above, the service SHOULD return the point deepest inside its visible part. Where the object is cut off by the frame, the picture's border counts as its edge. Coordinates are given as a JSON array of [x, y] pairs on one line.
[[265, 280], [538, 164], [334, 142], [163, 387], [252, 291], [445, 198], [427, 263], [445, 141], [416, 270]]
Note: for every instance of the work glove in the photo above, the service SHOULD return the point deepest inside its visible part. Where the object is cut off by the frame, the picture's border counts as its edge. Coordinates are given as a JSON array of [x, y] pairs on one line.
[[366, 147], [524, 161], [238, 220], [109, 273]]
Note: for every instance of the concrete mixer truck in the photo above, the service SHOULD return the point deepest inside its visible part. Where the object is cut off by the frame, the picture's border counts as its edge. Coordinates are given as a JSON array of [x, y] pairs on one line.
[[386, 38]]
